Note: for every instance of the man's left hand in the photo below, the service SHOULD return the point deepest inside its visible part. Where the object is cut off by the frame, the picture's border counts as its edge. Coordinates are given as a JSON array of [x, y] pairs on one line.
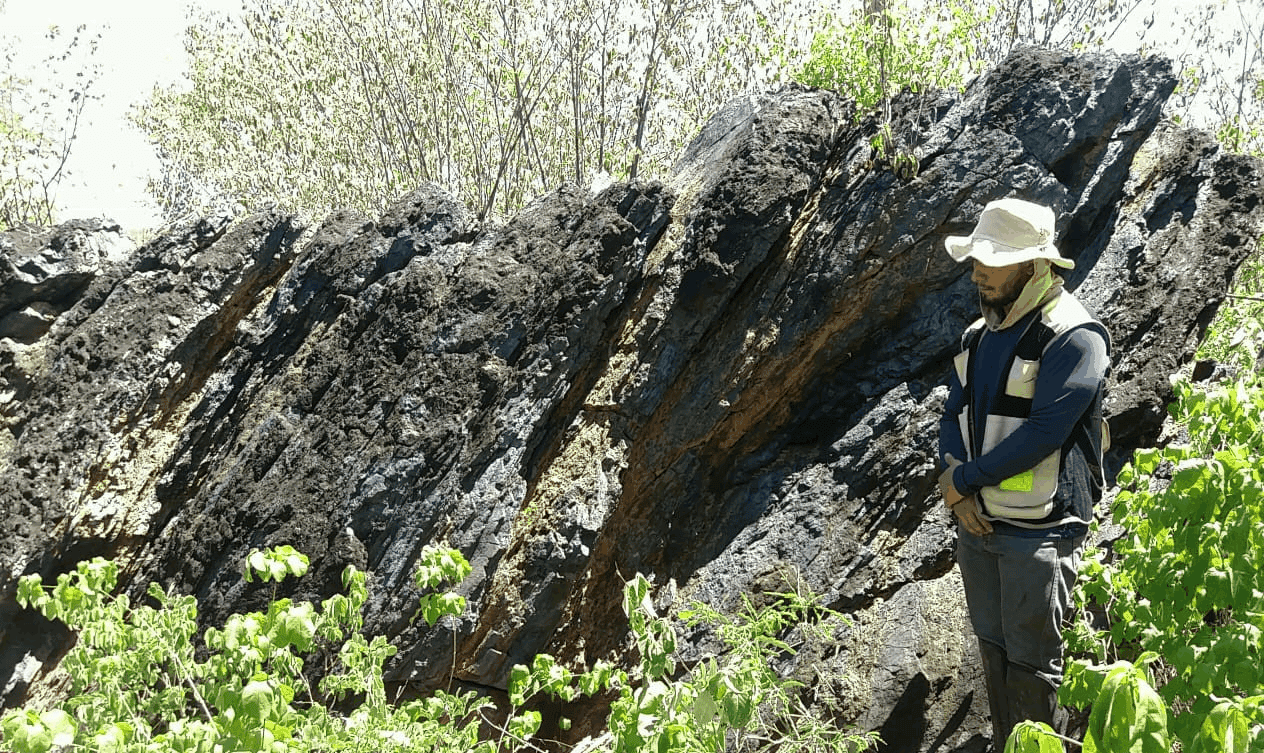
[[946, 487]]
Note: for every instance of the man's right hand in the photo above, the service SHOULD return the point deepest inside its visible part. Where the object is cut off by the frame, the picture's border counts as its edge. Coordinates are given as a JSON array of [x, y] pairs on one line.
[[968, 512], [946, 486]]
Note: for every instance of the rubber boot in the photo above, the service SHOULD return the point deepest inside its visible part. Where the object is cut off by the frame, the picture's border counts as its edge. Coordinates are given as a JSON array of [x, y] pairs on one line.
[[1031, 697], [995, 665]]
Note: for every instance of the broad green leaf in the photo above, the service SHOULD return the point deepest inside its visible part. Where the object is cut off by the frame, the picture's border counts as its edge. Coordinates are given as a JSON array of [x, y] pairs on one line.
[[61, 725], [1224, 730], [1127, 715], [451, 604], [738, 706], [1246, 675], [114, 738], [1184, 657], [26, 732], [599, 678], [256, 562], [1033, 737], [519, 684], [524, 726], [258, 700], [705, 709], [296, 563], [297, 626], [31, 592]]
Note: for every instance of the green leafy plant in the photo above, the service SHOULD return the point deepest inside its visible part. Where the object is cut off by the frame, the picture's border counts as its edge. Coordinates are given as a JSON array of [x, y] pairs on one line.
[[436, 566], [1127, 712], [733, 702], [1183, 583], [873, 56], [137, 682], [1033, 737]]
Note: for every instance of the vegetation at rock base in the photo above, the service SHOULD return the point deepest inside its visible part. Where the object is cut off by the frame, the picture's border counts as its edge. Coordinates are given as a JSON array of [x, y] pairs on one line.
[[139, 682], [1236, 337]]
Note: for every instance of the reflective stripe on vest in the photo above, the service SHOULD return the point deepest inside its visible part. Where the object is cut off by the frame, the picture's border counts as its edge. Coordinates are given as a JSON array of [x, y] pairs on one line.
[[1027, 495]]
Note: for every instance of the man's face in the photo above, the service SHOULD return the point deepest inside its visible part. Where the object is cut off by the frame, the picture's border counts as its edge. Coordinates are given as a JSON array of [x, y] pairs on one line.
[[1000, 286]]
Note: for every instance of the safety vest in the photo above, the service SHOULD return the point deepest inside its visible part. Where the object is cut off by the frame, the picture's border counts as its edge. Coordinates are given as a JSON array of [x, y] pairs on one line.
[[1027, 495]]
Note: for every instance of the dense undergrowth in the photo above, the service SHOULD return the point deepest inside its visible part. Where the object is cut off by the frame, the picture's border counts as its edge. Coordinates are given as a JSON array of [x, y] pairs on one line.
[[138, 684]]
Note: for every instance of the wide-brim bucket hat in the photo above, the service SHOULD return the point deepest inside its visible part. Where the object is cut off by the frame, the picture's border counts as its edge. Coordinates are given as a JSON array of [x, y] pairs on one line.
[[1009, 231]]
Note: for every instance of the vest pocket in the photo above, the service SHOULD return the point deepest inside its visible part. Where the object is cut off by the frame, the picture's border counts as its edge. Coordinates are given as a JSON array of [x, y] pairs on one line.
[[1022, 379], [961, 362], [1023, 496]]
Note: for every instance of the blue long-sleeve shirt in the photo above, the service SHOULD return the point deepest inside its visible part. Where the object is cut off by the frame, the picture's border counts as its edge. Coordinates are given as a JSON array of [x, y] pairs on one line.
[[1068, 389]]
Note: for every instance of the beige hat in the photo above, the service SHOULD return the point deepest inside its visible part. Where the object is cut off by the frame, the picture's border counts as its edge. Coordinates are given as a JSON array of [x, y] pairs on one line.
[[1009, 231]]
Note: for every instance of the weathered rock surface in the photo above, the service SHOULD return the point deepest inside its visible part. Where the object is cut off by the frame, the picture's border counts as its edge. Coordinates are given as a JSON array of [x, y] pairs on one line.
[[731, 381]]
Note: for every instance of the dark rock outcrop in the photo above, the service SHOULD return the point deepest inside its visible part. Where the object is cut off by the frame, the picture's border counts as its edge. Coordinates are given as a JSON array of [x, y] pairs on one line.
[[731, 381]]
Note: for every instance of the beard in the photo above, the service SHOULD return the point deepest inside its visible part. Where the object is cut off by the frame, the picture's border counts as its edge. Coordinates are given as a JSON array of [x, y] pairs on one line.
[[1001, 299], [997, 302]]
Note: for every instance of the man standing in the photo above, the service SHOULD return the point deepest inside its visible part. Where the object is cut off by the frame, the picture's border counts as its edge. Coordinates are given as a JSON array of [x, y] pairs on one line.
[[1021, 441]]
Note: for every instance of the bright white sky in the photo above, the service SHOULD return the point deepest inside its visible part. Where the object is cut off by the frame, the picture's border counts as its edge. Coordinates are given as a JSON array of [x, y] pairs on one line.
[[142, 45]]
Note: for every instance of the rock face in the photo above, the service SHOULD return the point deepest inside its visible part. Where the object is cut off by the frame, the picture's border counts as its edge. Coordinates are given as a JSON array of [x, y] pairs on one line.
[[731, 381]]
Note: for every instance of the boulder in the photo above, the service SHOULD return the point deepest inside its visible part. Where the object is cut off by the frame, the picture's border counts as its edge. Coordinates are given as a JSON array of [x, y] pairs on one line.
[[730, 381]]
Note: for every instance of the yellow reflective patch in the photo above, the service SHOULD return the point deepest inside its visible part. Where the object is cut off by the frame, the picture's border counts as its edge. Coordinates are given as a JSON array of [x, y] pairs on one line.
[[1023, 482]]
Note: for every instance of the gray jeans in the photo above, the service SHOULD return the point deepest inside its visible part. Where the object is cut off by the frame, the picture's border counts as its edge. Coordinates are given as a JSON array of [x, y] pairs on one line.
[[1018, 592]]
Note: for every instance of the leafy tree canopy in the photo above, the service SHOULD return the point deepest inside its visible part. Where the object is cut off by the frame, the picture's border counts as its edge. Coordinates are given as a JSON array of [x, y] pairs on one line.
[[323, 104], [320, 104]]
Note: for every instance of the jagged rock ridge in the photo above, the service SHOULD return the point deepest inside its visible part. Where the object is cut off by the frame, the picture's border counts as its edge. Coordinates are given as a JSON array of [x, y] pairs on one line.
[[729, 381]]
